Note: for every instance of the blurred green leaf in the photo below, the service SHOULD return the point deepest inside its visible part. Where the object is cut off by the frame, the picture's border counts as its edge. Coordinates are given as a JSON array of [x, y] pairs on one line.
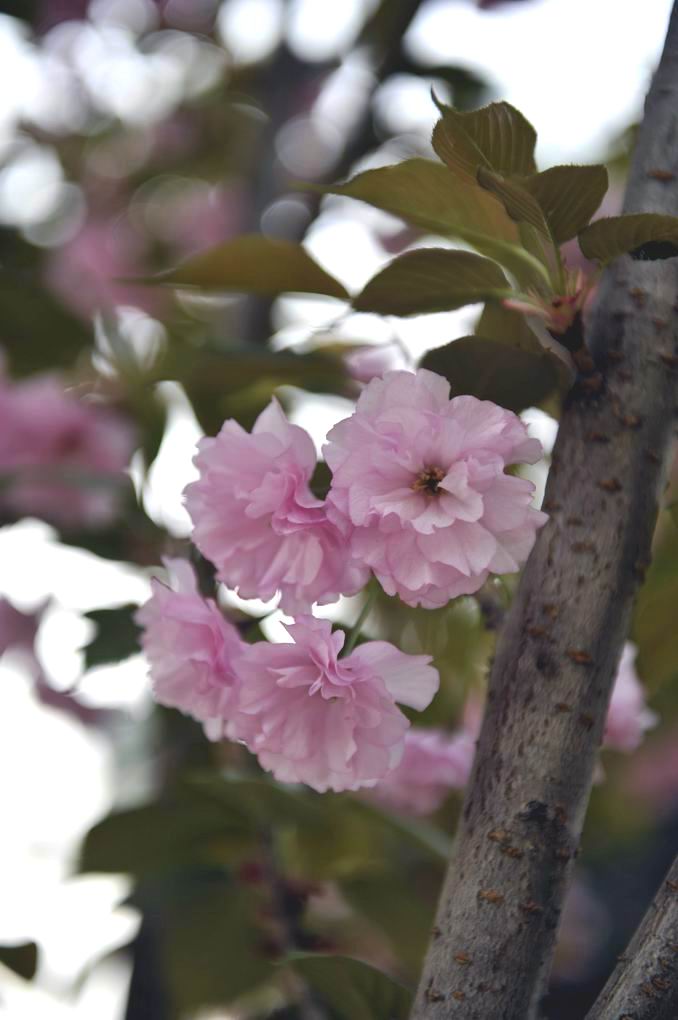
[[214, 949], [419, 835], [353, 990], [22, 959], [456, 638], [116, 638], [426, 194], [497, 137], [568, 196], [38, 333], [401, 910], [654, 620], [431, 280], [166, 836], [641, 235], [240, 382], [261, 801], [490, 370], [258, 264]]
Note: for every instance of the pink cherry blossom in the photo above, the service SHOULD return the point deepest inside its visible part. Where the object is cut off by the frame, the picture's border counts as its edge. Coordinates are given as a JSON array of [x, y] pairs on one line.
[[311, 717], [370, 360], [191, 648], [420, 481], [86, 272], [257, 520], [433, 763], [628, 716], [62, 458]]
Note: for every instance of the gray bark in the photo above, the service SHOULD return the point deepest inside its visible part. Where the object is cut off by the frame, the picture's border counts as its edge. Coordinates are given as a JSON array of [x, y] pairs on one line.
[[551, 679], [644, 985]]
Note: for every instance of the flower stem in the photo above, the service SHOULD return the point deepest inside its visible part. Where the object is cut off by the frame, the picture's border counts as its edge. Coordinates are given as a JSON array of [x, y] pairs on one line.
[[358, 625]]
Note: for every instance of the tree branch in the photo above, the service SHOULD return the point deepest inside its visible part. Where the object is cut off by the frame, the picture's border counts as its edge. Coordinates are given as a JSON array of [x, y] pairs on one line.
[[644, 986], [559, 648]]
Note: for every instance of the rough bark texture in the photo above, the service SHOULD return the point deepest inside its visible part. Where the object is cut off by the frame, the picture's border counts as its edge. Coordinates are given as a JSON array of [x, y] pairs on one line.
[[644, 985], [551, 679]]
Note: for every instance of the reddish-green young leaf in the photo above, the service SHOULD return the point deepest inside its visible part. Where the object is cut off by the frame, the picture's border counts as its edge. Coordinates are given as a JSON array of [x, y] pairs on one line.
[[491, 370], [262, 265], [497, 137], [641, 235], [429, 196], [432, 280], [568, 196]]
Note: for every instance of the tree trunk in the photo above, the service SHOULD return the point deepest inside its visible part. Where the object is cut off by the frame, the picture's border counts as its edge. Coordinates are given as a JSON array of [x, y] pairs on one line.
[[550, 684]]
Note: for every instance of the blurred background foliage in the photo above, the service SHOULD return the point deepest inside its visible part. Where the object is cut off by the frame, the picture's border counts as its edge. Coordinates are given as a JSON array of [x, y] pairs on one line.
[[137, 133]]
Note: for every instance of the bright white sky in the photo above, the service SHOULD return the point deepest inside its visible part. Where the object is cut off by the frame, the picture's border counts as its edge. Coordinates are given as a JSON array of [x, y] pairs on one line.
[[577, 68]]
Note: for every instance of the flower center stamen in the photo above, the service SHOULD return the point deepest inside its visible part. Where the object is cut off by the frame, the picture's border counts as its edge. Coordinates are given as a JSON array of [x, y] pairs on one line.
[[429, 480]]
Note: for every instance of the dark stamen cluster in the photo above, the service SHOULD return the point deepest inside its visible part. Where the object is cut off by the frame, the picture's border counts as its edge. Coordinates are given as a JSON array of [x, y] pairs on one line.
[[429, 480]]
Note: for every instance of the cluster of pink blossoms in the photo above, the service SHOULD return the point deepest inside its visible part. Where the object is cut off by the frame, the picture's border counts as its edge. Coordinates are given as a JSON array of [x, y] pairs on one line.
[[309, 716], [419, 497], [61, 458]]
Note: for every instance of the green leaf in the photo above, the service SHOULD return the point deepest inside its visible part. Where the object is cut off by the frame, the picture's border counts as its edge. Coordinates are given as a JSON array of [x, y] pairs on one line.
[[427, 195], [353, 990], [165, 836], [262, 265], [641, 235], [117, 636], [654, 620], [507, 327], [261, 801], [490, 370], [22, 959], [497, 137], [401, 910], [240, 382], [417, 834], [518, 202], [214, 950], [568, 196], [432, 280]]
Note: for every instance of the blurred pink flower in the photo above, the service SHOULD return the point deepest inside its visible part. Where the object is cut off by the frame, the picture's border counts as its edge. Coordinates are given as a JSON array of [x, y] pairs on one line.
[[191, 648], [421, 479], [628, 716], [331, 723], [256, 519], [652, 774], [87, 272], [192, 216], [433, 763], [61, 458], [371, 360]]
